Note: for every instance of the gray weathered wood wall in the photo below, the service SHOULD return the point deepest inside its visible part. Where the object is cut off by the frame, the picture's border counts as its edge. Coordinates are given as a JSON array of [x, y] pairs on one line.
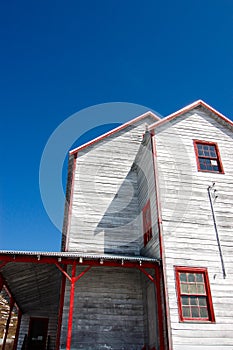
[[109, 312], [188, 230]]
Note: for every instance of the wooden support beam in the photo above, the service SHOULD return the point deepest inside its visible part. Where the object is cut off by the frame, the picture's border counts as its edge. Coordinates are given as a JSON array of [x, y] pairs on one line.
[[71, 310], [8, 323], [73, 280], [63, 271]]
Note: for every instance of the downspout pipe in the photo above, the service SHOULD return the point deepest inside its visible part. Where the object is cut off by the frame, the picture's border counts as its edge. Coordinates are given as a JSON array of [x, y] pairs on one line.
[[209, 189]]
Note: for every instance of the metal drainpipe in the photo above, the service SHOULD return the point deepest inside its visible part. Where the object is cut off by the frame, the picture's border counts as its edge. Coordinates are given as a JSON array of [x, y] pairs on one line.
[[209, 189]]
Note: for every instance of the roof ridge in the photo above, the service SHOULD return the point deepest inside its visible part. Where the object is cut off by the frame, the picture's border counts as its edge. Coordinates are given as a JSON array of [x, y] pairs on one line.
[[188, 108]]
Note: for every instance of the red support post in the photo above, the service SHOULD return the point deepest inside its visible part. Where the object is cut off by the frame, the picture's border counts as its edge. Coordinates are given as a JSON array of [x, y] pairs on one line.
[[159, 306], [61, 305], [7, 323], [70, 319], [1, 282]]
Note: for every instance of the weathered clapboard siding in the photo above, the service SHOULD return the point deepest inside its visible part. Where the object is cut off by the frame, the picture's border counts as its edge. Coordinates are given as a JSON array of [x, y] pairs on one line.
[[188, 231], [150, 313], [108, 312], [68, 199], [146, 191], [23, 330], [105, 214]]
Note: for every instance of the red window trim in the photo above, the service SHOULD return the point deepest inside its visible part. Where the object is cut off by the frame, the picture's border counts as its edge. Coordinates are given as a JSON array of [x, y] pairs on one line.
[[210, 308], [195, 142], [147, 226]]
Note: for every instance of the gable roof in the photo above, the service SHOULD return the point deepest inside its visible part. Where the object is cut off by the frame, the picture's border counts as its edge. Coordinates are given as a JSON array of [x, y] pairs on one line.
[[196, 104], [115, 130]]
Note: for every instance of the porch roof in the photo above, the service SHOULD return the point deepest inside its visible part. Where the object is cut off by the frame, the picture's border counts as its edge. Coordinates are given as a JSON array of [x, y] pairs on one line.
[[34, 278]]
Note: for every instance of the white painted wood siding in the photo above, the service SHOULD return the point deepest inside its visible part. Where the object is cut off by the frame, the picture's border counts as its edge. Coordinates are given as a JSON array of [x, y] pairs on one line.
[[188, 230], [146, 191], [105, 213]]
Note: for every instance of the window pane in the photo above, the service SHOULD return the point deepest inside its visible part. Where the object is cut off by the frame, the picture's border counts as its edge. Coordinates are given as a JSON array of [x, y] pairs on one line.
[[202, 301], [183, 277], [204, 312], [193, 289], [212, 149], [184, 288], [207, 153], [185, 300], [193, 301], [199, 277], [200, 289], [191, 277], [186, 311], [195, 312]]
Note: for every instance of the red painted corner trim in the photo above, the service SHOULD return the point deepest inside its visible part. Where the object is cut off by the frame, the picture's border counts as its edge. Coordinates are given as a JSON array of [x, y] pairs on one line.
[[203, 270], [187, 109], [113, 131], [67, 229]]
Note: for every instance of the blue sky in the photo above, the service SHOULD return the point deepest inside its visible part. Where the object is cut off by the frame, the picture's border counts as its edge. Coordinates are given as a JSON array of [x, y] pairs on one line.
[[58, 57]]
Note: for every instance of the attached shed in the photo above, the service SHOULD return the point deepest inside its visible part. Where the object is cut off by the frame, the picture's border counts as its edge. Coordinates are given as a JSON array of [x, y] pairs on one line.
[[80, 301]]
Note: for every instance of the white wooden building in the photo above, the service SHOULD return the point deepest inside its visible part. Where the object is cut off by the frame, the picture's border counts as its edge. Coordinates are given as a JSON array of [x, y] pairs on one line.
[[146, 259]]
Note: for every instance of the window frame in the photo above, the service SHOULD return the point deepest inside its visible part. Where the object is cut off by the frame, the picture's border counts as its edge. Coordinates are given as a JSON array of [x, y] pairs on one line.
[[198, 157], [210, 309], [147, 224]]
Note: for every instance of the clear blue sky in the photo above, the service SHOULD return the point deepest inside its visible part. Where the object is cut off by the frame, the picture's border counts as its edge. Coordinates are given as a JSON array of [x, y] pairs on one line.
[[58, 57]]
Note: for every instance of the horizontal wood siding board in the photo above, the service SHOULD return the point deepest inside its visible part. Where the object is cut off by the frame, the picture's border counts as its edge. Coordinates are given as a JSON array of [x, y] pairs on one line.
[[147, 191], [105, 211], [189, 235], [108, 310]]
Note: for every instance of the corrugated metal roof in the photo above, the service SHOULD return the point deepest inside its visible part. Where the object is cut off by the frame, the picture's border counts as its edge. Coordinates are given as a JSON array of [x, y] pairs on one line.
[[36, 286], [76, 255]]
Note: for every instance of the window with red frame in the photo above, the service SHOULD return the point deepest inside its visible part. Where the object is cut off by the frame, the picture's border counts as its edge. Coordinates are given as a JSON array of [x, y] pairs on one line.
[[194, 296], [208, 156], [147, 226]]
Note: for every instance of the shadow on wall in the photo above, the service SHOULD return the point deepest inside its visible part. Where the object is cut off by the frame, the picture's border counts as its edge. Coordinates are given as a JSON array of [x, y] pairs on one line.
[[121, 222]]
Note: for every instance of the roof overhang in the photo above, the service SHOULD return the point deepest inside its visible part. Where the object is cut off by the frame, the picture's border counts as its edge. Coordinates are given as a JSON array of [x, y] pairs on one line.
[[115, 130], [197, 104], [34, 278]]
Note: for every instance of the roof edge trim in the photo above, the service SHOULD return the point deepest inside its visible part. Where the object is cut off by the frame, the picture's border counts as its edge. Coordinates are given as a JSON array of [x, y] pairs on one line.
[[187, 109], [113, 131]]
